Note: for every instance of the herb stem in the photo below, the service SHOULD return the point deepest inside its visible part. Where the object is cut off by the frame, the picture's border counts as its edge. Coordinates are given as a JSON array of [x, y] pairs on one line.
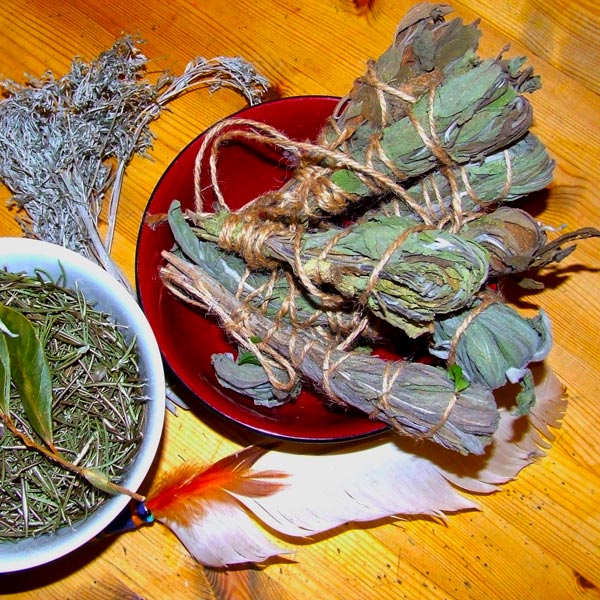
[[52, 454]]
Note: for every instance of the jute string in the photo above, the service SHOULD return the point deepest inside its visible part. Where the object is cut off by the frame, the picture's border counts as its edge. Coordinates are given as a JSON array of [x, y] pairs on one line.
[[487, 299]]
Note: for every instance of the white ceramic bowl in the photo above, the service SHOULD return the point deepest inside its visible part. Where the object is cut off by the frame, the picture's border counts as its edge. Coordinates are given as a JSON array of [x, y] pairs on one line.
[[25, 255]]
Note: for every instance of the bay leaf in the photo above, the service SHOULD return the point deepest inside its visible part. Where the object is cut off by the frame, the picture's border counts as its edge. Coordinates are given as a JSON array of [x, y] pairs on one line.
[[4, 376], [29, 371]]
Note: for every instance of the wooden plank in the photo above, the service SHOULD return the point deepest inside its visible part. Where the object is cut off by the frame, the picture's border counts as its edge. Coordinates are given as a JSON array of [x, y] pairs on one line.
[[537, 538]]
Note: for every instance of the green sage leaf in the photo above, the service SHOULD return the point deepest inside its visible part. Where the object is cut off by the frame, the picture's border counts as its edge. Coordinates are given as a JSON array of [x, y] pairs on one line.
[[497, 346], [526, 397], [183, 234], [250, 379], [247, 358], [29, 371], [456, 375]]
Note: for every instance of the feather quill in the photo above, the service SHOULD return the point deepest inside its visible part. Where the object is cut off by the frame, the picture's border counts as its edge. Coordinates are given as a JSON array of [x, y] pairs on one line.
[[240, 509]]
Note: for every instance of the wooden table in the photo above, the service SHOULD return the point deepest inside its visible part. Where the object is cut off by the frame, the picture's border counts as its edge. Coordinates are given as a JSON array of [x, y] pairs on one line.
[[537, 538]]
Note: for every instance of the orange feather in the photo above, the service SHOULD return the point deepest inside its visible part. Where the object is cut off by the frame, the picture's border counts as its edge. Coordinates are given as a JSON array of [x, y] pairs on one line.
[[180, 495]]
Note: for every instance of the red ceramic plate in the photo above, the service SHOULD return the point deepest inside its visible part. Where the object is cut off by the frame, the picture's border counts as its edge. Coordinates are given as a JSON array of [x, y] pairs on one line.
[[186, 337]]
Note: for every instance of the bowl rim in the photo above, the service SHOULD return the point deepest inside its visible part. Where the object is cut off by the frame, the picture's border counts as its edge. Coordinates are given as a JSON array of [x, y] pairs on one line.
[[31, 552]]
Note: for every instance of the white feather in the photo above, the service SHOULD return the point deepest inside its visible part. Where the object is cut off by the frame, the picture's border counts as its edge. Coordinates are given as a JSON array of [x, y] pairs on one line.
[[367, 481], [363, 482], [225, 534]]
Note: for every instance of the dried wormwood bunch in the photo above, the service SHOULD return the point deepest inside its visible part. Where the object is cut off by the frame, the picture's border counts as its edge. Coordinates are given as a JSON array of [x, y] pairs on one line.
[[65, 143]]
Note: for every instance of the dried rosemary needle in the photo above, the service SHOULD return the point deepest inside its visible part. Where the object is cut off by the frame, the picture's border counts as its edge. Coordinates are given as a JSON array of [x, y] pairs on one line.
[[98, 409]]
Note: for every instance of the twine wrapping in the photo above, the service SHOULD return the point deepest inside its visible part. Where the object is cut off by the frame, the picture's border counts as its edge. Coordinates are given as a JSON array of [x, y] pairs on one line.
[[463, 422]]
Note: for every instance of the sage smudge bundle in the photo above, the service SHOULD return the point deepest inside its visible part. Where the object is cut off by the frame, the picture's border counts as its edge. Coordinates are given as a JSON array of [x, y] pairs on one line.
[[479, 184], [415, 399], [396, 215], [425, 271], [72, 406], [273, 292], [428, 103]]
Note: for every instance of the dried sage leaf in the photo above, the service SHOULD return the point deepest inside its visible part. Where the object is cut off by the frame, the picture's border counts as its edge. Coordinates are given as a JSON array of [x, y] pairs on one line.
[[249, 378]]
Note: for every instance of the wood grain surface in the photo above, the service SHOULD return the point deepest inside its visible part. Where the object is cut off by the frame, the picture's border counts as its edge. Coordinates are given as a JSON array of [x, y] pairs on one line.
[[537, 538]]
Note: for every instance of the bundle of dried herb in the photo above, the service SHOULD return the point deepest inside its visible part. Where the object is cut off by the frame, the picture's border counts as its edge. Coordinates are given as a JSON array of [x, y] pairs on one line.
[[272, 292], [512, 237], [396, 213], [443, 126], [502, 177], [72, 405], [65, 143], [428, 103], [404, 273], [517, 243], [415, 399]]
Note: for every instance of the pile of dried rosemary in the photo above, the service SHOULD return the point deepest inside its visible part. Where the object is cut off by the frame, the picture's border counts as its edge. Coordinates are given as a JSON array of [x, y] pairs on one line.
[[96, 411], [396, 226]]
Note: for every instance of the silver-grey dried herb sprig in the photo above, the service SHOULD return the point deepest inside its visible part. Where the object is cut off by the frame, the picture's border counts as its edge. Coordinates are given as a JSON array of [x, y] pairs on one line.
[[65, 142]]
